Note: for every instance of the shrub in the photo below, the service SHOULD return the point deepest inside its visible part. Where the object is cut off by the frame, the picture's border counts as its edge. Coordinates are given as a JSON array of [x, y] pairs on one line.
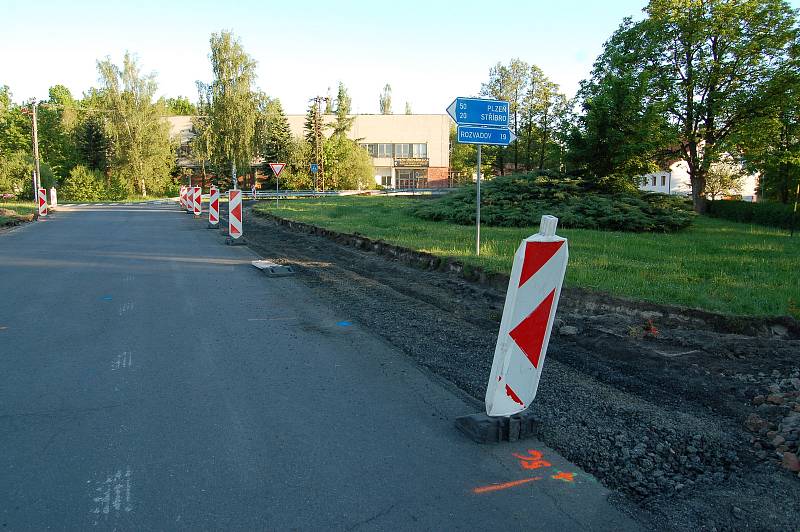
[[83, 185], [520, 200], [762, 213]]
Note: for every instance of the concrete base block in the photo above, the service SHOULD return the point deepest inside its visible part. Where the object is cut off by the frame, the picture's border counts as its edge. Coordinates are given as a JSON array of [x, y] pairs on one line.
[[490, 429], [234, 241], [212, 226], [271, 269]]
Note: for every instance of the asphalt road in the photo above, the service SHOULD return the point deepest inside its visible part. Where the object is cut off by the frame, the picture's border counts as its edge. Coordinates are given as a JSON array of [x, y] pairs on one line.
[[151, 378]]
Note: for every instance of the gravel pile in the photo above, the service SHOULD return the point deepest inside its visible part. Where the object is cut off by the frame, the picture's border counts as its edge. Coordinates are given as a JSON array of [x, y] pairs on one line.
[[775, 424]]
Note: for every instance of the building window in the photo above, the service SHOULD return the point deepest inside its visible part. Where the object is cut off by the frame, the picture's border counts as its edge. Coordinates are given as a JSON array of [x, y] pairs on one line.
[[384, 150], [663, 180], [653, 180], [386, 181], [419, 150], [372, 149], [402, 150]]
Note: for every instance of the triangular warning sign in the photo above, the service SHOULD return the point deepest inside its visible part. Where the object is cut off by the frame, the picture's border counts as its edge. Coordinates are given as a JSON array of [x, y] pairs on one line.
[[529, 334], [536, 255], [277, 168]]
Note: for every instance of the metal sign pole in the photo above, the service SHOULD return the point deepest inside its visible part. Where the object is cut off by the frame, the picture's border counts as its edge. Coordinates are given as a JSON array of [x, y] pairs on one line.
[[478, 208], [276, 190]]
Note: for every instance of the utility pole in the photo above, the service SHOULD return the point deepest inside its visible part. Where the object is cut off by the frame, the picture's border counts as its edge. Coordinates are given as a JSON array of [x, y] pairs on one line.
[[37, 182]]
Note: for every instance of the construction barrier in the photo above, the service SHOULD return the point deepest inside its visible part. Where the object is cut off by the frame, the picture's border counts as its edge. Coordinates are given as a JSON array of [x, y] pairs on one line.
[[234, 214], [213, 207], [182, 198], [53, 197], [42, 195], [190, 200], [197, 204], [531, 301]]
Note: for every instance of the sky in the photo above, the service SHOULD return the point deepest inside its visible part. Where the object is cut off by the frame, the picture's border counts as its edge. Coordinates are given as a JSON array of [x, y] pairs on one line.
[[428, 51]]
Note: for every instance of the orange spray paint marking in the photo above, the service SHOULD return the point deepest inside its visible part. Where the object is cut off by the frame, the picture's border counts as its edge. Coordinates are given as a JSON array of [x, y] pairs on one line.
[[533, 460], [566, 477], [505, 485]]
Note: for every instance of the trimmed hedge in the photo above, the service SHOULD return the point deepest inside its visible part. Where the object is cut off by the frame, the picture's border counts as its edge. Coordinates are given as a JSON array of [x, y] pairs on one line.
[[764, 213], [520, 200]]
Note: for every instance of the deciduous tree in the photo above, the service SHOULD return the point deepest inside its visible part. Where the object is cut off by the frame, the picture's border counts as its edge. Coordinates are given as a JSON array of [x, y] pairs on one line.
[[233, 108], [142, 154]]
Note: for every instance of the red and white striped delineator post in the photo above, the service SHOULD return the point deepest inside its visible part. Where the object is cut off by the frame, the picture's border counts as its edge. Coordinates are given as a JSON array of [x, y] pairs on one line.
[[42, 195], [182, 197], [190, 200], [213, 207], [53, 198], [528, 314], [234, 218], [198, 201], [531, 301]]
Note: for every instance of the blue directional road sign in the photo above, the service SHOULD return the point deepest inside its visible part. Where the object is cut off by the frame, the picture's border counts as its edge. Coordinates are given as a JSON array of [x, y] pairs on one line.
[[479, 112], [485, 135], [314, 168]]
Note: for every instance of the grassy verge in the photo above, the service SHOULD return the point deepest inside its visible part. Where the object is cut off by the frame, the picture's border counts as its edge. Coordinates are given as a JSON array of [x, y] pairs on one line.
[[715, 265], [11, 211]]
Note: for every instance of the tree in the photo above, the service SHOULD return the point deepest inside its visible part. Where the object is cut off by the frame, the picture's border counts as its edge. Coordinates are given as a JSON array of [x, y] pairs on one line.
[[180, 106], [349, 165], [509, 83], [201, 145], [624, 129], [408, 108], [343, 121], [313, 129], [92, 145], [233, 108], [142, 154], [713, 64], [58, 121], [385, 100], [274, 137], [543, 113], [724, 178], [772, 145]]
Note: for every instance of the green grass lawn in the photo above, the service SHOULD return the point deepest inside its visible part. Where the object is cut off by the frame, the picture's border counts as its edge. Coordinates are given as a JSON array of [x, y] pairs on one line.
[[714, 265], [21, 208]]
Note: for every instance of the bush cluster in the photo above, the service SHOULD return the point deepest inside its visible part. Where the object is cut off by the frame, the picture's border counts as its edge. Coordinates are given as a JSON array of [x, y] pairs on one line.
[[520, 200], [764, 213], [84, 184]]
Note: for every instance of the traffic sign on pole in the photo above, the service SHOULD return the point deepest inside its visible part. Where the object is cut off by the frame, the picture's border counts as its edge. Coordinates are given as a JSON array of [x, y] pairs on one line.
[[198, 199], [234, 216], [531, 300], [213, 207], [277, 168], [479, 112], [42, 195], [485, 135], [314, 168]]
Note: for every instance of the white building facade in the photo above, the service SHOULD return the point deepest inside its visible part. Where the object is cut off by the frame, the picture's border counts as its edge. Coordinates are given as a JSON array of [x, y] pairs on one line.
[[676, 181], [408, 151]]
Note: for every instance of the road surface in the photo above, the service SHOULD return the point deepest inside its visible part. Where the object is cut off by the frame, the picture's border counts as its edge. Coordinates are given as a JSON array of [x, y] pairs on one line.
[[151, 378]]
